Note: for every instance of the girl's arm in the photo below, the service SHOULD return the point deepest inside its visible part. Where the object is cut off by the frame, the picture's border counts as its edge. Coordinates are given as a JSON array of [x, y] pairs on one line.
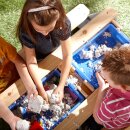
[[101, 92], [66, 64], [8, 116], [25, 76], [33, 70]]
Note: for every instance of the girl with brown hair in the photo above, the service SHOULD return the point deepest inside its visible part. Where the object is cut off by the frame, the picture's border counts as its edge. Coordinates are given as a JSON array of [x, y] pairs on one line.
[[43, 26]]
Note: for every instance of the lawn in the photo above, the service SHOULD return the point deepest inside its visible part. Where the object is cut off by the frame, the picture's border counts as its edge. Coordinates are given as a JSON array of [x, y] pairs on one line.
[[11, 9]]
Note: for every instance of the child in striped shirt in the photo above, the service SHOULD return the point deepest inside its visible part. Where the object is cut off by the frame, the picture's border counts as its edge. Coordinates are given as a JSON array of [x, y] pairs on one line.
[[112, 108]]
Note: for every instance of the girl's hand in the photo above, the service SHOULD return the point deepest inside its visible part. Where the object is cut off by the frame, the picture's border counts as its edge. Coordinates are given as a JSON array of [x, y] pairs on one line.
[[60, 92], [32, 91], [102, 84], [44, 96], [13, 122]]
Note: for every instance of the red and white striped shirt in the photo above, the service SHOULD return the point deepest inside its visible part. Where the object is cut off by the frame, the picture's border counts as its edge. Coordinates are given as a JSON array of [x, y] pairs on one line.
[[114, 112]]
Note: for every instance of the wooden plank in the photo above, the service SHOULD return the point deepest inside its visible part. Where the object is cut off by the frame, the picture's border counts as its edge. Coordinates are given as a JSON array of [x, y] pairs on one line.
[[88, 85], [51, 62], [128, 128], [12, 93], [117, 24], [80, 84], [79, 115]]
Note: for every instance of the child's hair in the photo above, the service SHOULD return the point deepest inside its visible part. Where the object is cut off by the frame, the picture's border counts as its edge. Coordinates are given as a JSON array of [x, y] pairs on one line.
[[117, 62], [42, 17]]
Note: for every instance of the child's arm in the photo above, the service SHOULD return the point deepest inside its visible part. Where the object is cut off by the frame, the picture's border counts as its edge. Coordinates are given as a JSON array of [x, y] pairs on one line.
[[101, 92], [8, 116], [33, 69], [25, 76], [12, 55], [66, 64]]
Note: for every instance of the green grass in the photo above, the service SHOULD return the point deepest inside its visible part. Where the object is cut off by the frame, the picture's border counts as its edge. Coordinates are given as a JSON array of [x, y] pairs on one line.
[[9, 15], [11, 9], [122, 6]]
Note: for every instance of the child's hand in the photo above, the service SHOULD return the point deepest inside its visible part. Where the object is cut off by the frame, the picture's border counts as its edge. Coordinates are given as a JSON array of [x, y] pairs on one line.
[[102, 84], [32, 91], [60, 92], [44, 96], [13, 122]]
